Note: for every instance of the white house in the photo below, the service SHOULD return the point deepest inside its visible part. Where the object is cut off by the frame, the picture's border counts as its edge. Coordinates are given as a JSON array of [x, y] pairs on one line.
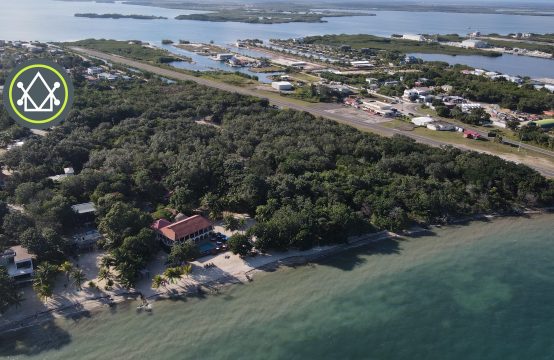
[[224, 57], [84, 208], [417, 91], [107, 76], [422, 120], [281, 85], [413, 37], [94, 70], [19, 263], [469, 106], [472, 43], [361, 64], [440, 126]]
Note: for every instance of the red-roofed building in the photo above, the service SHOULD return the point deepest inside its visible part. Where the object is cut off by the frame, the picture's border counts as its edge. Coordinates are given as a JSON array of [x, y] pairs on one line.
[[158, 224], [470, 134], [195, 227]]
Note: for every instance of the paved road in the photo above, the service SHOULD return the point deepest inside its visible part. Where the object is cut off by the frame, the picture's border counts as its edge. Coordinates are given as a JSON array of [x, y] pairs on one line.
[[314, 109]]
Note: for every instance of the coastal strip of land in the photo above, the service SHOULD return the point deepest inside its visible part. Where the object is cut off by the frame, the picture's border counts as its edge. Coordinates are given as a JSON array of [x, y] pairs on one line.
[[227, 269], [119, 16], [529, 10], [318, 110], [266, 16]]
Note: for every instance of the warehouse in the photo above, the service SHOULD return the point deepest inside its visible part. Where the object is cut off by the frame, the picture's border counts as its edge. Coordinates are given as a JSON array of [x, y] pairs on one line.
[[281, 85]]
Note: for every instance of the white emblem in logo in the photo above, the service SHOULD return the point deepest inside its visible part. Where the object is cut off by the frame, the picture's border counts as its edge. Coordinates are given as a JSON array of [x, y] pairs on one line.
[[47, 104]]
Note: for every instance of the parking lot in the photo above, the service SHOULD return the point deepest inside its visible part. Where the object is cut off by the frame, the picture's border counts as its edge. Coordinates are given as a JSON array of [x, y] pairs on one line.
[[357, 114]]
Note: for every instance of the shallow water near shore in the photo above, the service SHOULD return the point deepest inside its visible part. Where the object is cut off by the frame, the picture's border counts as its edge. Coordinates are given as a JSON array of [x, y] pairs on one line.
[[478, 291]]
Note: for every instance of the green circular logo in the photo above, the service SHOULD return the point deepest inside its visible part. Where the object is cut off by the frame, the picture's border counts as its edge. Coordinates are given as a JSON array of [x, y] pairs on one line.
[[38, 94]]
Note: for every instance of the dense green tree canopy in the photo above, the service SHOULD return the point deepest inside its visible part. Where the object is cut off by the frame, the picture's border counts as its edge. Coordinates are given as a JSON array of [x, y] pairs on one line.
[[307, 181]]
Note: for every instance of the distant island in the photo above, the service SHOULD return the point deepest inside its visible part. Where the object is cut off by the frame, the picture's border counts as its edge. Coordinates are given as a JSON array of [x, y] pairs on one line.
[[354, 7], [120, 16], [267, 17]]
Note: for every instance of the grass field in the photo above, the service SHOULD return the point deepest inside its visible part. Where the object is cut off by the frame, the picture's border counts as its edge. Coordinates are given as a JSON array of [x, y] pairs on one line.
[[130, 49]]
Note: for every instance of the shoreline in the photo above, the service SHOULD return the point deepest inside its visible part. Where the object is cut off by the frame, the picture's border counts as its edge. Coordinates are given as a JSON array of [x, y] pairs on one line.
[[189, 287], [91, 305]]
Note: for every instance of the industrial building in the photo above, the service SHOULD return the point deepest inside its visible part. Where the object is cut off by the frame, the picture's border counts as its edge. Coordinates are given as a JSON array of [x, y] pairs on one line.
[[378, 107], [224, 57], [281, 85], [361, 64], [441, 126], [413, 37], [472, 43], [422, 121]]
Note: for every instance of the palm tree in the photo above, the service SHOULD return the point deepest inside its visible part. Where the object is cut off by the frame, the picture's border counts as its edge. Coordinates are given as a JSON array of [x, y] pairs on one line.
[[104, 274], [44, 292], [42, 280], [187, 269], [17, 299], [66, 267], [158, 281], [44, 276], [79, 278], [173, 274], [106, 261]]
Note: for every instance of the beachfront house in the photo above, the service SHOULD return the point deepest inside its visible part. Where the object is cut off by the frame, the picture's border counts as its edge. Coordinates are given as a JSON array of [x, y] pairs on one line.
[[19, 263], [196, 227]]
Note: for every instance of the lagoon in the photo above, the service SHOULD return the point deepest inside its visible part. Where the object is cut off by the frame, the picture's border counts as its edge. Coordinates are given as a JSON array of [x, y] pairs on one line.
[[49, 20], [479, 291], [507, 63]]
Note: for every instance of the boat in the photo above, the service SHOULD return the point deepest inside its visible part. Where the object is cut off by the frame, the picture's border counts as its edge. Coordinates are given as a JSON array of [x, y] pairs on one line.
[[145, 307]]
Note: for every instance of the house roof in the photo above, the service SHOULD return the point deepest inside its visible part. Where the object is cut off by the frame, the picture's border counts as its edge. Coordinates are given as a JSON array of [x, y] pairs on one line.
[[185, 227], [471, 132], [84, 208], [21, 253], [160, 223]]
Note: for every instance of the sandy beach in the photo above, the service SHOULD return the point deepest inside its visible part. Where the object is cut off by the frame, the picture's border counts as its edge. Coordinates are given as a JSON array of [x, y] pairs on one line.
[[227, 269]]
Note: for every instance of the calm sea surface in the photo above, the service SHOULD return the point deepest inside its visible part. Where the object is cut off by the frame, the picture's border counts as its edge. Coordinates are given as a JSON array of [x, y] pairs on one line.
[[507, 63], [481, 291], [49, 20]]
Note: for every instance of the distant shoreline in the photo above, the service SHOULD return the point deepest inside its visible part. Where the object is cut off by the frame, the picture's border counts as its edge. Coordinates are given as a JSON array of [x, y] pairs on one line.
[[536, 10], [119, 16]]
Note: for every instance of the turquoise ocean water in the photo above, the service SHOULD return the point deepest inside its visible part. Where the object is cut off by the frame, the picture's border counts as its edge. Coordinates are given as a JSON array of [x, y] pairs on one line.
[[478, 291]]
